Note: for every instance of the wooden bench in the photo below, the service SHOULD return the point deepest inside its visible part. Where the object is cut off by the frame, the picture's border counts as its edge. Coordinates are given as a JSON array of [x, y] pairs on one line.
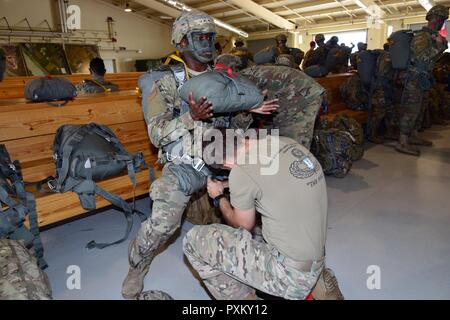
[[337, 105], [28, 129], [13, 87]]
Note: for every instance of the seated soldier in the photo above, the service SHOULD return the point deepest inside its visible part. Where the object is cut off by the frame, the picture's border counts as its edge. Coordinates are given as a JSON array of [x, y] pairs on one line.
[[306, 61], [98, 83], [289, 261]]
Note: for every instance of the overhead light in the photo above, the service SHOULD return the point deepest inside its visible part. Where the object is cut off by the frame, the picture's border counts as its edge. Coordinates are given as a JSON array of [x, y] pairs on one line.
[[360, 4], [127, 8], [426, 4], [181, 6]]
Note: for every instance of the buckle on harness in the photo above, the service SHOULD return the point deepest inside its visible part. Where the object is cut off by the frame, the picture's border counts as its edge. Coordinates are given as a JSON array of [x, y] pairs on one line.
[[51, 184], [198, 164], [12, 167]]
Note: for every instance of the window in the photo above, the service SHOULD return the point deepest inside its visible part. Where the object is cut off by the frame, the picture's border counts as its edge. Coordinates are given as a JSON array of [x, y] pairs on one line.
[[348, 37]]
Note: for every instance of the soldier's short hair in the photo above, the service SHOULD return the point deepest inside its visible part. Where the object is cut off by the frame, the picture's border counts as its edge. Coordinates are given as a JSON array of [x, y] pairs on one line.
[[97, 66]]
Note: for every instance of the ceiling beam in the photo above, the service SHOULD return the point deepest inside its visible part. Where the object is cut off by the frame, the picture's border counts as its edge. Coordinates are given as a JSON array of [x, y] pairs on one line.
[[260, 11]]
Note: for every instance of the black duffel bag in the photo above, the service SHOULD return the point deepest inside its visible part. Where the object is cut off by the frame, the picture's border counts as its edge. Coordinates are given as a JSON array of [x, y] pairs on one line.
[[49, 89]]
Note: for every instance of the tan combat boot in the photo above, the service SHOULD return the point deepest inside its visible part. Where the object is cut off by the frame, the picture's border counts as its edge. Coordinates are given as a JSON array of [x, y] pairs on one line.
[[134, 282], [327, 287], [403, 146]]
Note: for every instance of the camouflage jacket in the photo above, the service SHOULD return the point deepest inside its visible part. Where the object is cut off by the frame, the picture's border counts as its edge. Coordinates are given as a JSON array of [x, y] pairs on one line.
[[425, 50], [96, 85], [169, 122]]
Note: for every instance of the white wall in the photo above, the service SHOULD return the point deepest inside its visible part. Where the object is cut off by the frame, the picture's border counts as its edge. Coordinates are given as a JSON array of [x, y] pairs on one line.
[[133, 32]]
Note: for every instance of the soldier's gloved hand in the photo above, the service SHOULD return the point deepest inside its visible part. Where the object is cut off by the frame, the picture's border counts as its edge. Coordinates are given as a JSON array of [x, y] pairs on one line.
[[200, 110], [267, 107]]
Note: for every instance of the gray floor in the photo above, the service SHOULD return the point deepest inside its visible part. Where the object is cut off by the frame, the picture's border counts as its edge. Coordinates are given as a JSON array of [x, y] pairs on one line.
[[392, 211]]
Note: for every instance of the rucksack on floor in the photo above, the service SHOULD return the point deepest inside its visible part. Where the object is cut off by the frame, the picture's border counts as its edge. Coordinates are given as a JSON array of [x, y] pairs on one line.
[[16, 205], [353, 127], [20, 276], [400, 48], [50, 89], [85, 154], [331, 148]]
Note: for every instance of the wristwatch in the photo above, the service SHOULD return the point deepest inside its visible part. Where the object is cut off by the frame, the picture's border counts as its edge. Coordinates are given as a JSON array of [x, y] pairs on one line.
[[216, 200]]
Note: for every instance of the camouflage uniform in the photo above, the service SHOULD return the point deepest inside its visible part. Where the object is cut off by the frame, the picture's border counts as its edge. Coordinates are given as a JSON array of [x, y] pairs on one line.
[[169, 121], [300, 99], [169, 198], [382, 97], [424, 51], [96, 85], [232, 265], [318, 59], [20, 276]]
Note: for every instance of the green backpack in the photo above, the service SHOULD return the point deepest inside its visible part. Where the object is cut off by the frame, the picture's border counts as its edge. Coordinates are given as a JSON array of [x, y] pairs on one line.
[[16, 204], [88, 153], [338, 144], [330, 146], [351, 126]]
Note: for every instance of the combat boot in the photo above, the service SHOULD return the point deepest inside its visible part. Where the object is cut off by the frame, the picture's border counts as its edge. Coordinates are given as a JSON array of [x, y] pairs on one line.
[[391, 133], [327, 287], [154, 295], [403, 146], [373, 135], [416, 140], [134, 282]]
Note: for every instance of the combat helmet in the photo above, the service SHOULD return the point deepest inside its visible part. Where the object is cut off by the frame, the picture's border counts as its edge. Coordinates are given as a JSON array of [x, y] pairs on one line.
[[190, 23], [439, 10]]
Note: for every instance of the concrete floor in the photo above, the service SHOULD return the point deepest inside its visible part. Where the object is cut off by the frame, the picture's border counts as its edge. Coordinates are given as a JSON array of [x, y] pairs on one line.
[[392, 211]]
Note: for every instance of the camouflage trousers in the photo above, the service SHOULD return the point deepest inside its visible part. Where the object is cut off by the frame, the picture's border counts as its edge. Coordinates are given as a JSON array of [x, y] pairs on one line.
[[382, 108], [232, 265], [169, 203], [411, 107]]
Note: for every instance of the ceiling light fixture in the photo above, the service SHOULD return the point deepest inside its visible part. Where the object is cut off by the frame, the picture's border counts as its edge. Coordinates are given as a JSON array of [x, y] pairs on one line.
[[127, 8]]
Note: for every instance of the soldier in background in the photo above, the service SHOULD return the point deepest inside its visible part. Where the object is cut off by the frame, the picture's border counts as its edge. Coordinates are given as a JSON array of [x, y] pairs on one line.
[[354, 56], [282, 48], [382, 99], [242, 52], [306, 60], [426, 47], [318, 59], [98, 83], [289, 261]]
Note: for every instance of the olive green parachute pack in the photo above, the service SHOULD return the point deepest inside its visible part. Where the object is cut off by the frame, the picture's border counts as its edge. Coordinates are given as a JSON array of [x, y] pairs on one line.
[[226, 91], [337, 145], [20, 276]]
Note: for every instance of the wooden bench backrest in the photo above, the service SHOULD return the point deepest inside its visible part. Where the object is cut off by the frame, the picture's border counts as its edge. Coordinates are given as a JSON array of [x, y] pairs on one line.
[[28, 129], [14, 87]]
